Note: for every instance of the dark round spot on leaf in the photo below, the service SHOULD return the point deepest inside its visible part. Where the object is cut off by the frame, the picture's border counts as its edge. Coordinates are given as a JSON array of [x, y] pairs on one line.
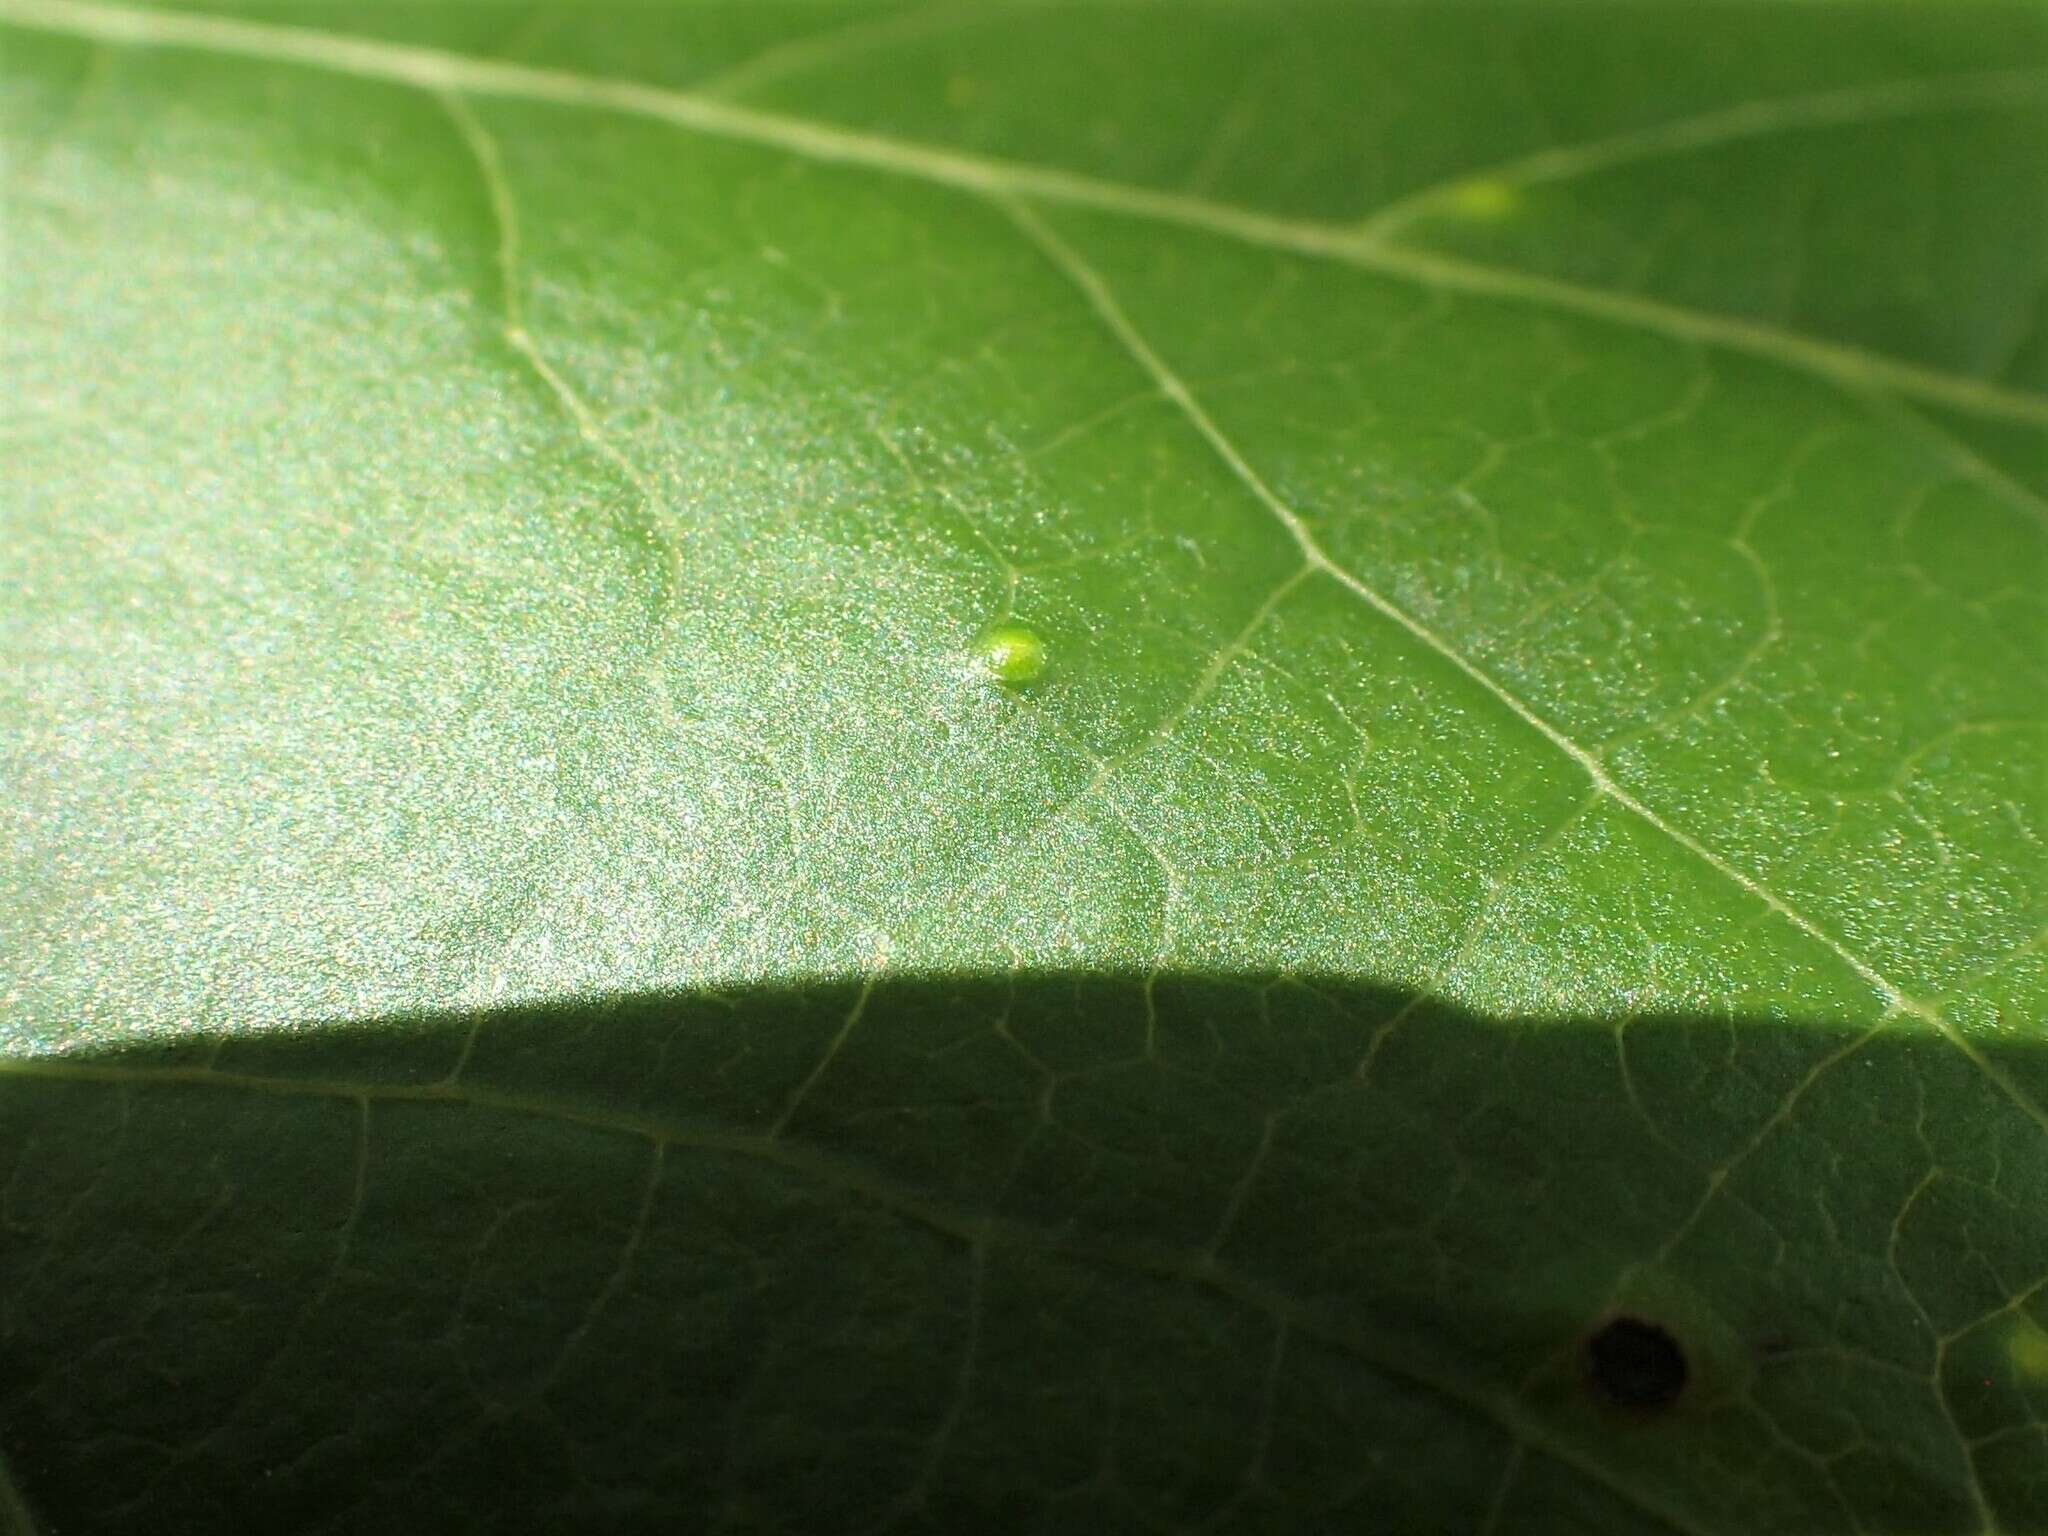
[[1634, 1364]]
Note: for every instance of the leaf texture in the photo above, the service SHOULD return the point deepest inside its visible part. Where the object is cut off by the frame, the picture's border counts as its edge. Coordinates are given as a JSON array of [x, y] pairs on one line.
[[543, 977]]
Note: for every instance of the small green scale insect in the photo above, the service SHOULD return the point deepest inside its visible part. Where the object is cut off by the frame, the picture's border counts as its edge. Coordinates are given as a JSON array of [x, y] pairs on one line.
[[1012, 654]]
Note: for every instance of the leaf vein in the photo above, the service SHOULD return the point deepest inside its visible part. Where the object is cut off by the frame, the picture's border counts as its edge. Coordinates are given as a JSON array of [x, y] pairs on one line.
[[1099, 297], [1849, 106], [645, 529], [437, 71], [1390, 1355]]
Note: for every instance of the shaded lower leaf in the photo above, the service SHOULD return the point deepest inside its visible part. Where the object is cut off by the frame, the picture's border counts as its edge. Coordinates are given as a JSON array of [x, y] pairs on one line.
[[1039, 1254]]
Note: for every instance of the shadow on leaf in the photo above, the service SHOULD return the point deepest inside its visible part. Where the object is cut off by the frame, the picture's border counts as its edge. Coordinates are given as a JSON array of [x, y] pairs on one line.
[[1076, 1252]]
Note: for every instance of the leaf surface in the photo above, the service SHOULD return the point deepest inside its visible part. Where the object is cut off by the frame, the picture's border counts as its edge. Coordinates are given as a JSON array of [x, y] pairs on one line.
[[544, 978]]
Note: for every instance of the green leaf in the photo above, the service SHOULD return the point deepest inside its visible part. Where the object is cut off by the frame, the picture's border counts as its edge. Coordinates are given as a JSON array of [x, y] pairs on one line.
[[1024, 766]]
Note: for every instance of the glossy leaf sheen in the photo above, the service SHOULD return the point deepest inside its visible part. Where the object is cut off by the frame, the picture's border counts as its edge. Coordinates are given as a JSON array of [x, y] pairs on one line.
[[551, 978]]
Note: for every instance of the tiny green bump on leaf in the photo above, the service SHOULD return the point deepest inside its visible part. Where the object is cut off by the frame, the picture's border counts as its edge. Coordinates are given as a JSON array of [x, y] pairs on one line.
[[2026, 1346], [1013, 654], [1485, 199]]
